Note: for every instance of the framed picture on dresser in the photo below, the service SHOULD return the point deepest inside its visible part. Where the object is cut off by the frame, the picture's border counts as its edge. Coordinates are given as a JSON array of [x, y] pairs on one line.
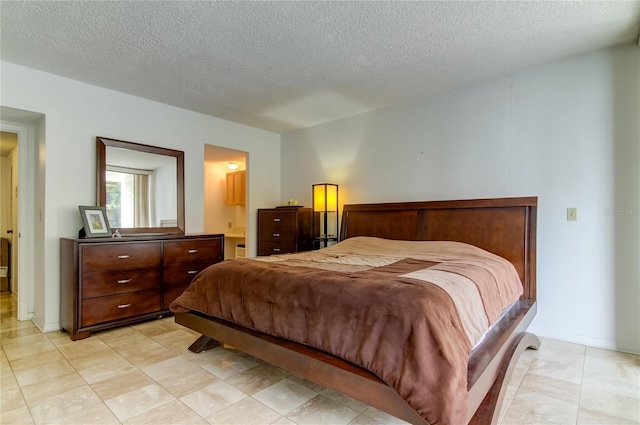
[[95, 222]]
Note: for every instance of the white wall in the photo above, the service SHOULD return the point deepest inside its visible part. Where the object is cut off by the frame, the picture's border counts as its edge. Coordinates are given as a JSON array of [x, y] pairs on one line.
[[75, 113], [165, 195], [566, 132]]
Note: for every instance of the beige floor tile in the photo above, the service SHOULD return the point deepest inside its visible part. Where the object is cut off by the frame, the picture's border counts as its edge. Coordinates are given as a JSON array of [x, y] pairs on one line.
[[133, 340], [178, 341], [109, 334], [36, 360], [179, 376], [624, 368], [154, 328], [248, 411], [379, 417], [108, 367], [364, 420], [316, 388], [180, 386], [7, 378], [611, 404], [44, 389], [25, 340], [344, 400], [221, 362], [84, 348], [172, 413], [11, 334], [322, 410], [17, 350], [589, 417], [127, 381], [546, 385], [11, 400], [616, 356], [283, 421], [613, 384], [139, 401], [257, 378], [171, 368], [96, 414], [39, 372], [557, 369], [212, 398], [540, 407], [20, 416], [63, 404], [59, 337], [516, 417], [561, 348], [284, 396], [140, 350], [85, 361]]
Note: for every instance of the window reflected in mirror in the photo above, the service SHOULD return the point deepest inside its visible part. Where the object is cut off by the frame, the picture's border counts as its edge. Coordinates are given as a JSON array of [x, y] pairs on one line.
[[128, 201]]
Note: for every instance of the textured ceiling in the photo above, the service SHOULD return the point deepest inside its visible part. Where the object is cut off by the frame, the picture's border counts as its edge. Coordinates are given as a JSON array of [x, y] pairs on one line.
[[287, 65]]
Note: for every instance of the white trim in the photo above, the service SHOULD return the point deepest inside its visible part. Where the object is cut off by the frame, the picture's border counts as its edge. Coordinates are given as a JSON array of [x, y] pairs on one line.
[[26, 202]]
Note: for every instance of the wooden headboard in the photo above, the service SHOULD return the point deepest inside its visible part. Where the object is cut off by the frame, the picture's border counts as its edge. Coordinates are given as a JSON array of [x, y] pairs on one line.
[[504, 226]]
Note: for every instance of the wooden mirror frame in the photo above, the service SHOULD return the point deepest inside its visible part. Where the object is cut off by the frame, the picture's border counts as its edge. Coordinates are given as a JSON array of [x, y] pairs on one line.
[[101, 150]]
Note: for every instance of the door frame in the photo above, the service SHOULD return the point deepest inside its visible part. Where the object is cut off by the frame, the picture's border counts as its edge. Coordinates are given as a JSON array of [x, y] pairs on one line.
[[24, 234]]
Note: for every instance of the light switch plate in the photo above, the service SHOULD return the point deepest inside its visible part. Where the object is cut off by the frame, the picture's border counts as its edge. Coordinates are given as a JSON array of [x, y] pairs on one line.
[[572, 214]]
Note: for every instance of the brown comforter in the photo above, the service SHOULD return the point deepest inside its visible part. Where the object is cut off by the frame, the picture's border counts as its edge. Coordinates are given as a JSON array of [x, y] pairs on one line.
[[409, 312]]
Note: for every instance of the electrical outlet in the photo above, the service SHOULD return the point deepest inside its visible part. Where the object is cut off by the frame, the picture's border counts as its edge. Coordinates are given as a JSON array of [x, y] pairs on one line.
[[229, 225], [572, 214]]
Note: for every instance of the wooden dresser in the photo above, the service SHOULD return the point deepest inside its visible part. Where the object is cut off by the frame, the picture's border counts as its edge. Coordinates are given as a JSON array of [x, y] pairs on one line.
[[111, 282], [284, 230]]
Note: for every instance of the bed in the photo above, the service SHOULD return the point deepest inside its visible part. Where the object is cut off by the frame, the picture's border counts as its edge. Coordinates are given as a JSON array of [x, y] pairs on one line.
[[504, 229]]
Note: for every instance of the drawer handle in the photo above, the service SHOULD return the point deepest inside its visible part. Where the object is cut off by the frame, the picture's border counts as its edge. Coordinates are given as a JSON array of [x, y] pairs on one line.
[[192, 271], [123, 257], [276, 234], [124, 305], [276, 249], [123, 281], [192, 251], [277, 220]]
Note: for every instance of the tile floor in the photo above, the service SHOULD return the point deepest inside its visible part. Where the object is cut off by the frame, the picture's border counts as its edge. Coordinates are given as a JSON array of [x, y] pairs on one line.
[[144, 374]]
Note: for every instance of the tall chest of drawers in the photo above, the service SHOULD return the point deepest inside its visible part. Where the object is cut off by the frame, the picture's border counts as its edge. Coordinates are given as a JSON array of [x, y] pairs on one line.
[[111, 282], [284, 230]]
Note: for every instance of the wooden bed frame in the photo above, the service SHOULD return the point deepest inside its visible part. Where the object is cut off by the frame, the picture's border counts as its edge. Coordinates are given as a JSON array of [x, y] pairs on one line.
[[504, 226]]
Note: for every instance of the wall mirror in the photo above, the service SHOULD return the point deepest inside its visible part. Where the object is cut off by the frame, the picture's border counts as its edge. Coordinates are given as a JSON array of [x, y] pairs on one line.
[[141, 187]]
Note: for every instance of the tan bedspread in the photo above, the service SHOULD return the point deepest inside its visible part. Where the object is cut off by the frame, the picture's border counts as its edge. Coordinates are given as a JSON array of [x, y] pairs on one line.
[[407, 311]]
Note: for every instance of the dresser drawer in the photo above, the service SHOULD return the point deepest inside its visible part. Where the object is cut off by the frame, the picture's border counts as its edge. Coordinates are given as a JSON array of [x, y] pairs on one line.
[[114, 307], [193, 251], [277, 219], [97, 284], [270, 248], [183, 272], [120, 256], [280, 235]]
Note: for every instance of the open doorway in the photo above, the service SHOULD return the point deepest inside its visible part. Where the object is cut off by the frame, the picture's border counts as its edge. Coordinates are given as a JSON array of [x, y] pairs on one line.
[[8, 212], [19, 185], [225, 195]]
